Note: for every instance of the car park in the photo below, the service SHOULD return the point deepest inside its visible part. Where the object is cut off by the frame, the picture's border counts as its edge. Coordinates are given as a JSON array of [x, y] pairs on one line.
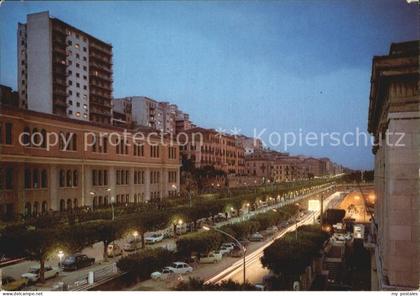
[[211, 257], [113, 250], [11, 284], [164, 274], [154, 238], [77, 261], [256, 237], [180, 267], [34, 273]]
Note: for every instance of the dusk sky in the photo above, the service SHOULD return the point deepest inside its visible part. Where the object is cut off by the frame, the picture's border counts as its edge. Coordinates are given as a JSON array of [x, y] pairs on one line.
[[279, 65]]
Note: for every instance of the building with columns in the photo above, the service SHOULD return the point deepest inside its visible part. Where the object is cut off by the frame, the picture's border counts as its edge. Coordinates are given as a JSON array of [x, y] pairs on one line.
[[53, 163], [394, 121]]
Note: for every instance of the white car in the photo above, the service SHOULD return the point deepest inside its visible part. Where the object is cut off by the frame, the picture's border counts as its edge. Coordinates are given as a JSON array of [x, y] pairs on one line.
[[230, 246], [224, 250], [163, 274], [180, 267], [33, 275], [153, 238], [211, 257]]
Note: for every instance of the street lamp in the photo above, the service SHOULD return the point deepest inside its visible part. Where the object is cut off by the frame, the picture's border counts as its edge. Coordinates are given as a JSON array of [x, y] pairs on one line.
[[60, 257], [207, 228], [112, 207]]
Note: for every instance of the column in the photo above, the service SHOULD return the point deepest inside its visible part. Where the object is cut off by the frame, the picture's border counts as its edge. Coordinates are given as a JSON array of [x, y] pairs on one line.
[[147, 184], [131, 184]]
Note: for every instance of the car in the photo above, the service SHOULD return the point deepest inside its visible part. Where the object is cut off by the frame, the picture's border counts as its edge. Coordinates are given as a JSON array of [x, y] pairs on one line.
[[132, 245], [224, 250], [237, 252], [77, 261], [11, 284], [113, 249], [230, 246], [164, 274], [33, 274], [272, 229], [153, 238], [211, 257], [256, 237], [180, 267]]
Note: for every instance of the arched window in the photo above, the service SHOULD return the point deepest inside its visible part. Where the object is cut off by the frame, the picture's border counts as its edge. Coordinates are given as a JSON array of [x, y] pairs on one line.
[[69, 204], [28, 178], [35, 208], [44, 178], [75, 178], [44, 207], [95, 202], [35, 178], [28, 208], [36, 140], [44, 138], [69, 178], [135, 198], [62, 205], [75, 203], [62, 178], [26, 137]]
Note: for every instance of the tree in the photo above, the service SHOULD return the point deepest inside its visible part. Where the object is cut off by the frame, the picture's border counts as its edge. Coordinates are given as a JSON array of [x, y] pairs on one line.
[[149, 221], [201, 243], [141, 264], [34, 244]]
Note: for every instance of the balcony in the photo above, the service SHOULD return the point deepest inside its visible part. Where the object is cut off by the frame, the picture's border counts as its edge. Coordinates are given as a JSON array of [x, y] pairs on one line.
[[96, 111], [105, 86], [101, 67], [108, 79], [106, 51]]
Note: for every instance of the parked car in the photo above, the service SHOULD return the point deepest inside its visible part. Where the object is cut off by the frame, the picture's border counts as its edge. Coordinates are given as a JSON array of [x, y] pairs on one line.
[[237, 252], [11, 284], [164, 274], [180, 267], [132, 245], [256, 237], [33, 275], [224, 250], [77, 261], [153, 238], [211, 257], [113, 250], [272, 229], [230, 246]]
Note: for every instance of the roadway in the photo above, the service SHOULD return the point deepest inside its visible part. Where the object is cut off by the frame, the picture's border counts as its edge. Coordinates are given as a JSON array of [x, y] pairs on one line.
[[253, 267]]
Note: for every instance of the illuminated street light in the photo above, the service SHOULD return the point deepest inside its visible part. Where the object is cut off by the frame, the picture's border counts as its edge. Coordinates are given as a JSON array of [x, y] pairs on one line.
[[135, 234], [60, 257]]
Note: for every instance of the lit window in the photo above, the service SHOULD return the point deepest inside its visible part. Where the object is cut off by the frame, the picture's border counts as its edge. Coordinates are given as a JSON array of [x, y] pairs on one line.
[[85, 115], [84, 106], [78, 114], [77, 45]]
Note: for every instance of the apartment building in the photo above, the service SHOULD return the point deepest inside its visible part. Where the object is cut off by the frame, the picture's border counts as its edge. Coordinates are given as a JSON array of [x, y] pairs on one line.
[[182, 122], [394, 105], [251, 145], [63, 70], [207, 147], [40, 172]]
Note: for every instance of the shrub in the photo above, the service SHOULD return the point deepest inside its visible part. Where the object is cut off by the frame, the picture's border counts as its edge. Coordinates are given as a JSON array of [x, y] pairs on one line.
[[195, 284], [140, 265]]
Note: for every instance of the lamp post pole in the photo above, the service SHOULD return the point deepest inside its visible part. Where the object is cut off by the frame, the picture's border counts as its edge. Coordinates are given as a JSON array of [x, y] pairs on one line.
[[236, 241]]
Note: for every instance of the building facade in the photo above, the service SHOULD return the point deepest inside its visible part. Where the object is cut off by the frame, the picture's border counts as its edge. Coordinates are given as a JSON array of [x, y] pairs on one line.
[[394, 115], [207, 147], [41, 172], [63, 70], [8, 96]]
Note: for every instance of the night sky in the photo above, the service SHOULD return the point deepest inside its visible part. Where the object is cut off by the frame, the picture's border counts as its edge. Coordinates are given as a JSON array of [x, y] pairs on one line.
[[286, 66]]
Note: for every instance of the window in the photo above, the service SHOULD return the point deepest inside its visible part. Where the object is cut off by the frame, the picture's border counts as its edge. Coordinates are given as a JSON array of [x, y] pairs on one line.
[[75, 178], [27, 178], [8, 133], [77, 45], [77, 84], [77, 104], [69, 178], [172, 152], [77, 65], [62, 178], [85, 68], [69, 42], [84, 48], [77, 56], [70, 102], [35, 178], [78, 75], [44, 178], [70, 82], [154, 151]]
